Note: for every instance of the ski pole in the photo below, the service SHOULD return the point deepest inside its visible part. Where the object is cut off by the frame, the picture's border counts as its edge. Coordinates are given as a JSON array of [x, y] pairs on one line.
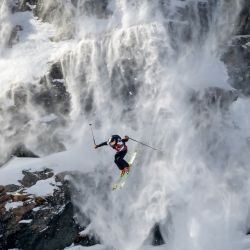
[[92, 133], [144, 144]]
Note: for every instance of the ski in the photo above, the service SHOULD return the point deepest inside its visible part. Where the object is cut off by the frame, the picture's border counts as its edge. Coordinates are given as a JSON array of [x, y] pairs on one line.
[[121, 182]]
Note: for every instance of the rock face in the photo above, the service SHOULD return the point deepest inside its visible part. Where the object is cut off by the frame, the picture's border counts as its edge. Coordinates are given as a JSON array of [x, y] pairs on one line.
[[28, 5], [95, 7], [214, 99], [237, 58], [32, 222], [48, 95], [51, 98], [31, 178], [52, 95], [22, 151]]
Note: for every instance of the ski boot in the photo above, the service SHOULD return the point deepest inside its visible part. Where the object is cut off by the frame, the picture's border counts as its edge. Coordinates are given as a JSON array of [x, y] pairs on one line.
[[124, 171]]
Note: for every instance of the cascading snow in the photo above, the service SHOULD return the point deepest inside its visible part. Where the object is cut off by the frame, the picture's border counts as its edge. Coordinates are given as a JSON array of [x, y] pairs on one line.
[[149, 69]]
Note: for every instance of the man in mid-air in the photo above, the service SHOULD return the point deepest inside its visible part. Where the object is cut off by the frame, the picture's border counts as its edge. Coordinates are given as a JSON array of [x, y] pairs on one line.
[[118, 144]]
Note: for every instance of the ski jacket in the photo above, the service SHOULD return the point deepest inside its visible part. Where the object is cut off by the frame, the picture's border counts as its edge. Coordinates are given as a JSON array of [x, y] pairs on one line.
[[119, 143]]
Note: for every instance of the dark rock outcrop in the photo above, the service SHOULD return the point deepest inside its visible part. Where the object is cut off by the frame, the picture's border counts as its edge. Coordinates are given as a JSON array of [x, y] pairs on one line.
[[22, 151], [28, 5], [31, 178], [85, 240], [32, 222], [157, 237], [59, 231], [14, 36], [18, 150], [2, 188]]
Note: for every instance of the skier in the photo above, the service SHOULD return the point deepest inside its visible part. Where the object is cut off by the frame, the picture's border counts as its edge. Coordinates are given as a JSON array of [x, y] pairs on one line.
[[117, 143]]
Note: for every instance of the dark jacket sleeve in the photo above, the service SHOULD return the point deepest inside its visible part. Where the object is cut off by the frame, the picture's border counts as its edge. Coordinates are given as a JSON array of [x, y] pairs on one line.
[[102, 144]]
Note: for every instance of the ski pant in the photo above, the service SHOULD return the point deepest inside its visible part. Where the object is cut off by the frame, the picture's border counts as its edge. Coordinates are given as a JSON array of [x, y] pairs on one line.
[[119, 161]]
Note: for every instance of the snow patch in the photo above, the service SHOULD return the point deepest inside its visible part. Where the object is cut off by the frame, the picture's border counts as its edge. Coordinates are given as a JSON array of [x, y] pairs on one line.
[[36, 209], [25, 221], [10, 174], [12, 205], [69, 160], [44, 229], [43, 187]]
